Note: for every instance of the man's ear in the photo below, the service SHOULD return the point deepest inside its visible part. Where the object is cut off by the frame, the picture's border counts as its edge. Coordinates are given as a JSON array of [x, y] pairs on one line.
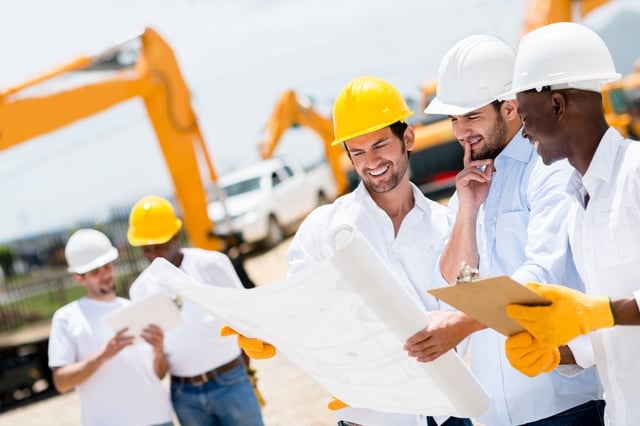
[[409, 138], [77, 278], [558, 104], [510, 109]]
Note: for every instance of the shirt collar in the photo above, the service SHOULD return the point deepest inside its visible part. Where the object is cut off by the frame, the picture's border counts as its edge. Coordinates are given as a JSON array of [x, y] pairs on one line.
[[603, 162], [420, 201], [600, 169], [518, 148]]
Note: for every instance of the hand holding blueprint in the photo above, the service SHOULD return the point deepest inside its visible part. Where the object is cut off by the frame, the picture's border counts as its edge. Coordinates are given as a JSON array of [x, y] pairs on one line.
[[343, 322], [156, 309]]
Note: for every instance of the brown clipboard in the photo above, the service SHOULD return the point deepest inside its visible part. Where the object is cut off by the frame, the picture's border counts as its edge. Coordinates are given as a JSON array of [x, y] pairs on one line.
[[486, 300]]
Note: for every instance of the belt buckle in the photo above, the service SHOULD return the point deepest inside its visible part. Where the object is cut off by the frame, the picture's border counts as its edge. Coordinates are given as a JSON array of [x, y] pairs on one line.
[[200, 379]]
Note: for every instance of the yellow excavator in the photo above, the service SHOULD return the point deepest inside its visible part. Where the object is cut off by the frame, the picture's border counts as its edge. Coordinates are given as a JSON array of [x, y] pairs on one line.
[[142, 67], [434, 162]]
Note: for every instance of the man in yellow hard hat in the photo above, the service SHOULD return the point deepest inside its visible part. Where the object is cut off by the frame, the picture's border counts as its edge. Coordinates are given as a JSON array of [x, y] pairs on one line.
[[118, 382], [401, 224], [209, 382]]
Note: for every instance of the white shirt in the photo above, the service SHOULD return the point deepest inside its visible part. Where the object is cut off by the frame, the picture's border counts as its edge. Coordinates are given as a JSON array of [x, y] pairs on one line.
[[411, 255], [124, 390], [521, 232], [606, 243], [196, 346]]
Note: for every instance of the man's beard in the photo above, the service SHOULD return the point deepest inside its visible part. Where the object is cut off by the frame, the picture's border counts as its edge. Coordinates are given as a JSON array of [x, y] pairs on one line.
[[495, 141]]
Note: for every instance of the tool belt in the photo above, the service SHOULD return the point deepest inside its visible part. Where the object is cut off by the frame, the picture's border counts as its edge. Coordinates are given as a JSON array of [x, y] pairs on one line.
[[203, 378]]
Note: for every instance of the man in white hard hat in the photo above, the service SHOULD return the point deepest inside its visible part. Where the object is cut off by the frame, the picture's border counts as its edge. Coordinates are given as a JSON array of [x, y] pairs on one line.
[[118, 382], [510, 213], [558, 75]]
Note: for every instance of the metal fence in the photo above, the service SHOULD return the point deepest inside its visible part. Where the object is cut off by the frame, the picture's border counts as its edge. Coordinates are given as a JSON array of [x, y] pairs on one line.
[[40, 283]]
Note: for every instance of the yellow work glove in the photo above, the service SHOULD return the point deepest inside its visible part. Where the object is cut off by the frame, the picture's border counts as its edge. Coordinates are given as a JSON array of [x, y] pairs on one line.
[[530, 357], [570, 314], [254, 348], [336, 404]]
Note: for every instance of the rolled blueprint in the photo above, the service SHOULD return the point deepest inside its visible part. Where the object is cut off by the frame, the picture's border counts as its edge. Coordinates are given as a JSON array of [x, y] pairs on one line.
[[343, 322]]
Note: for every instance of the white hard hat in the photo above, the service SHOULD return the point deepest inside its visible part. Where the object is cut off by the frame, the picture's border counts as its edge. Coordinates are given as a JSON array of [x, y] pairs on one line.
[[476, 71], [88, 249], [563, 55]]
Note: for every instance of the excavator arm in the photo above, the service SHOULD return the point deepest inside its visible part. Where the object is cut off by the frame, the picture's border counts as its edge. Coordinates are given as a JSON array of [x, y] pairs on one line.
[[31, 109], [290, 112], [543, 12]]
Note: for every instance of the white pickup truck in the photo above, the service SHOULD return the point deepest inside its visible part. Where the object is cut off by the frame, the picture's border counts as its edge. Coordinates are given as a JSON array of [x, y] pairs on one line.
[[264, 201]]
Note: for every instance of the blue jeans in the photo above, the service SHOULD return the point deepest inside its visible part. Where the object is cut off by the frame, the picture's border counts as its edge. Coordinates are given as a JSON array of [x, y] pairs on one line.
[[588, 414], [226, 400], [451, 421]]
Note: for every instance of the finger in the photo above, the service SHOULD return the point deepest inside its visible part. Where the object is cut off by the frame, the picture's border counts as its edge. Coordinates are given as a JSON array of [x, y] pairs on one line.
[[417, 338], [466, 158], [473, 173], [537, 287], [555, 352], [430, 356], [227, 331], [519, 340], [121, 332], [336, 404], [126, 339], [525, 314]]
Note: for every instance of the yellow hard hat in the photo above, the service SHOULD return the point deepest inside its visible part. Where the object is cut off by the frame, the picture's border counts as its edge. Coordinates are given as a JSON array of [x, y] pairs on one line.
[[152, 221], [365, 105]]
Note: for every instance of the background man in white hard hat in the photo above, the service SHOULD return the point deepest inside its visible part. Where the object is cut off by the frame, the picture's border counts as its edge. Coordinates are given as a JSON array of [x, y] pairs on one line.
[[403, 226], [118, 382], [510, 213], [209, 382], [558, 75]]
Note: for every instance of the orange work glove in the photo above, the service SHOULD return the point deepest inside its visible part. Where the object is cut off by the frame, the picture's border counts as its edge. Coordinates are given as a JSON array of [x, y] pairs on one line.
[[254, 348], [530, 357], [570, 314], [336, 404]]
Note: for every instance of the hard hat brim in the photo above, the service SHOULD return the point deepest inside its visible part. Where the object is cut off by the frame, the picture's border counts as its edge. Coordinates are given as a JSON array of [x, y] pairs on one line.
[[438, 107], [581, 84], [99, 261]]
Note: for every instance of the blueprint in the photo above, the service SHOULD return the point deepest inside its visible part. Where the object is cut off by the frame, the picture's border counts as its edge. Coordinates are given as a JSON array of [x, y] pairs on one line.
[[343, 322]]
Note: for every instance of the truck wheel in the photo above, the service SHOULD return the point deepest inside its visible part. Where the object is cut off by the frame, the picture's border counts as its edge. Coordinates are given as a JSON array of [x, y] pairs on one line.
[[275, 233]]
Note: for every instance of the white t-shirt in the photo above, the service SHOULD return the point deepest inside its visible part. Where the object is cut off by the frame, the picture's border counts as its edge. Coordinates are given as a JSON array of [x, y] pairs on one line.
[[411, 254], [196, 346], [124, 390]]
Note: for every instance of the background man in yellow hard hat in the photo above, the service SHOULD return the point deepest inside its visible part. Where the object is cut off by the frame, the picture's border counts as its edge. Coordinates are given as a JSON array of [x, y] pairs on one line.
[[118, 382], [510, 219], [558, 75], [401, 224], [209, 382]]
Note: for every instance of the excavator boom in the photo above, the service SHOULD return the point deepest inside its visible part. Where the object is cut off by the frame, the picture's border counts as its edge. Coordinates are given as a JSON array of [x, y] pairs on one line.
[[290, 112], [49, 102]]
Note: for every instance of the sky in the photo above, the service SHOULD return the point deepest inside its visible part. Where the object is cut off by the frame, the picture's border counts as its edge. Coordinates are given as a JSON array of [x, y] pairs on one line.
[[237, 57]]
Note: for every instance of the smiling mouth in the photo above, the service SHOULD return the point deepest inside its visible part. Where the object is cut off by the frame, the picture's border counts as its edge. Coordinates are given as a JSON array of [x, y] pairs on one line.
[[378, 172], [474, 141]]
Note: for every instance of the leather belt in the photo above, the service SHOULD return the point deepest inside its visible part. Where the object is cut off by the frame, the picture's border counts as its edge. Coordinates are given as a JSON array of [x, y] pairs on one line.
[[209, 375]]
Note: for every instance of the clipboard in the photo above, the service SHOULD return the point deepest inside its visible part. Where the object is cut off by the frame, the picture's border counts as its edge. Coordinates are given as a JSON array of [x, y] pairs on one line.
[[486, 301], [156, 309]]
